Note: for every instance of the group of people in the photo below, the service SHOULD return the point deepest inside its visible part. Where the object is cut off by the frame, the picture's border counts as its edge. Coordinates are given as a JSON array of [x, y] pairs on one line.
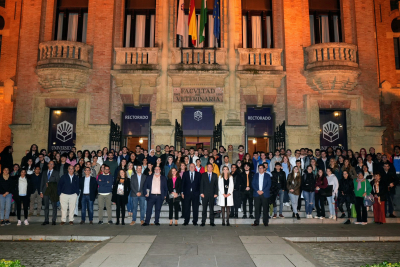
[[187, 178]]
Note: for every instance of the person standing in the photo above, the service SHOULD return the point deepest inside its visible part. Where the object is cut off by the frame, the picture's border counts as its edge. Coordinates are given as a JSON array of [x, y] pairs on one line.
[[36, 178], [308, 188], [332, 180], [321, 183], [88, 187], [120, 193], [155, 190], [225, 193], [68, 190], [391, 180], [208, 193], [48, 191], [323, 162], [261, 185], [236, 176], [6, 158], [112, 164], [174, 191], [191, 194], [280, 176], [247, 190], [293, 186], [362, 188], [105, 183], [6, 188], [379, 190], [346, 195], [225, 163], [21, 195], [137, 182]]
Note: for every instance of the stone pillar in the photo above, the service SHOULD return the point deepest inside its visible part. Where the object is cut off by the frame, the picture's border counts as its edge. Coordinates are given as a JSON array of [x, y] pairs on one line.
[[233, 135], [163, 135]]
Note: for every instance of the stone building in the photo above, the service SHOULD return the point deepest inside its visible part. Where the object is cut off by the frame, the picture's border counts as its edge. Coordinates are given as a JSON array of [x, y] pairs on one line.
[[325, 69]]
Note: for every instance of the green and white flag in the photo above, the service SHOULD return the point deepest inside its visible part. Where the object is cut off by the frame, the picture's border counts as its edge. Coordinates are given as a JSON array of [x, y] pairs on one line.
[[203, 20]]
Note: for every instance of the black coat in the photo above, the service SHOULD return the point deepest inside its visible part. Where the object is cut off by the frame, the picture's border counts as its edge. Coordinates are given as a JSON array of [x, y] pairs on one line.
[[274, 189], [244, 181], [383, 189], [16, 188], [207, 188], [308, 182], [237, 180], [178, 185], [346, 187], [127, 190], [92, 187], [281, 179], [389, 178]]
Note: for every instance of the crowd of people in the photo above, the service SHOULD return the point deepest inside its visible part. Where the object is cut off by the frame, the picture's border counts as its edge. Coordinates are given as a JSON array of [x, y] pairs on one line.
[[187, 178]]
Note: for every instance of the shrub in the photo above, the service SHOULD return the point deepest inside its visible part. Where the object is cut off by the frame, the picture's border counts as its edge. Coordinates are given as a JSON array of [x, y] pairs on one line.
[[383, 264], [4, 263]]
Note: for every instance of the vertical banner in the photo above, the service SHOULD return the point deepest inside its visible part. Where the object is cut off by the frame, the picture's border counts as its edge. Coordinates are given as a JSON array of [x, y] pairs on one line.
[[198, 121], [333, 129], [259, 122], [136, 121], [62, 132]]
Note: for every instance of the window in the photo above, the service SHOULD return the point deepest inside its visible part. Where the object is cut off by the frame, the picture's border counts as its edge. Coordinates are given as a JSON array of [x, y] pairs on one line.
[[396, 40], [71, 20], [394, 4], [325, 24], [3, 3], [186, 41], [257, 23], [2, 23], [140, 23]]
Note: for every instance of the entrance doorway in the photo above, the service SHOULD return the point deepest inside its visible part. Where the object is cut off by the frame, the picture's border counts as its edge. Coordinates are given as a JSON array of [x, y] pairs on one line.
[[259, 129], [203, 142], [133, 141], [258, 144]]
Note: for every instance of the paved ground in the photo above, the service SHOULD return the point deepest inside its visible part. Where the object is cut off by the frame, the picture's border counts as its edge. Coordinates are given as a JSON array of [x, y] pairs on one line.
[[352, 254], [44, 253]]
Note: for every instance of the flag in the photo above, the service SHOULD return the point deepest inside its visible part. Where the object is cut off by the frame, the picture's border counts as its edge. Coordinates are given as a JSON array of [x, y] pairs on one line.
[[217, 19], [203, 20], [180, 27], [192, 22]]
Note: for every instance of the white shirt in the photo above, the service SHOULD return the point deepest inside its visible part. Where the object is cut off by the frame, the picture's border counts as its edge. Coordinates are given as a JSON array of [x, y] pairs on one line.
[[370, 167], [139, 178], [49, 174], [22, 186], [260, 181], [86, 187], [70, 177]]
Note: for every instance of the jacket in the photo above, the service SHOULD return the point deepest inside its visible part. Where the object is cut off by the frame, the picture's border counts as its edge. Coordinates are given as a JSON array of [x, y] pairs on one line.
[[188, 187], [51, 192], [365, 188], [346, 187], [308, 182], [281, 179], [16, 188], [113, 164], [167, 168], [6, 185], [294, 183], [36, 182], [266, 185], [92, 187], [149, 182], [209, 189], [389, 178], [332, 180], [351, 171], [383, 190], [237, 181], [178, 185], [68, 187], [322, 165], [221, 192], [244, 181], [127, 190], [105, 183], [54, 178], [275, 186], [321, 182], [135, 188]]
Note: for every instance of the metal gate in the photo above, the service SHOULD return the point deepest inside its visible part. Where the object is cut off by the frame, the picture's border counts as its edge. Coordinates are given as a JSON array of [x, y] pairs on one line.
[[280, 136], [217, 135], [115, 136], [178, 136]]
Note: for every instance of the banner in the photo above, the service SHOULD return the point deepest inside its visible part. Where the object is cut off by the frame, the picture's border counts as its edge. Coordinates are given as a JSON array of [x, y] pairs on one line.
[[260, 122], [333, 129], [136, 121], [198, 121], [62, 129]]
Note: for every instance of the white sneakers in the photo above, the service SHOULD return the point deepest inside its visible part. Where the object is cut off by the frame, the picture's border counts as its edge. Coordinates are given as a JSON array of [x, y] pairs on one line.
[[239, 210], [19, 223], [286, 204], [26, 222], [330, 217], [322, 217], [334, 217], [309, 216]]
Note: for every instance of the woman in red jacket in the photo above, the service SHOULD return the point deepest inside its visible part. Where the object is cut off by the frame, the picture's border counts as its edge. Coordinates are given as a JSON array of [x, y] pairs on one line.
[[199, 168]]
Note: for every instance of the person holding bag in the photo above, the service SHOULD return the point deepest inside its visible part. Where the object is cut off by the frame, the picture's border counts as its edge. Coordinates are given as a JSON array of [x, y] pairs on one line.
[[332, 180], [362, 188], [379, 191], [321, 186], [225, 193], [174, 188]]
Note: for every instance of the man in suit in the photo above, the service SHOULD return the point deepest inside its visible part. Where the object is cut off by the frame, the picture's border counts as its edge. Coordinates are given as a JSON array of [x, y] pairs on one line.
[[68, 190], [190, 193], [155, 190], [88, 186], [208, 192], [137, 182], [261, 185], [49, 176]]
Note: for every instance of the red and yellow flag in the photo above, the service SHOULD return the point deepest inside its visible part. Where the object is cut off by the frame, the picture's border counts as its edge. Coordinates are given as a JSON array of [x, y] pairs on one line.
[[192, 22]]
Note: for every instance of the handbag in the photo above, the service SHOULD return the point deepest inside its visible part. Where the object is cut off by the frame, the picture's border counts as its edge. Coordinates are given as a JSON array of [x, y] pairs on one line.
[[353, 211], [326, 192], [368, 199]]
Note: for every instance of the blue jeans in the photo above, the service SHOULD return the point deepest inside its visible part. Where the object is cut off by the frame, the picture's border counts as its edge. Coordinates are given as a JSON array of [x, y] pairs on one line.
[[331, 204], [309, 198], [5, 204], [86, 203], [143, 206], [129, 205], [294, 199], [281, 195]]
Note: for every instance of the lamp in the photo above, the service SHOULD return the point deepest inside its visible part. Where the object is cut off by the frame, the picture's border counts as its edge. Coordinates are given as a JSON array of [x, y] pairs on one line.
[[58, 112], [141, 141], [336, 113], [254, 141]]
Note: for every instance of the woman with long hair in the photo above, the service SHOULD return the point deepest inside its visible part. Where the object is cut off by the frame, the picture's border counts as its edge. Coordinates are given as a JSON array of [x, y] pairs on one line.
[[6, 190], [332, 180], [360, 164], [169, 165], [149, 170], [340, 161], [122, 166], [286, 167], [215, 166], [29, 167], [247, 159], [71, 159], [158, 163], [293, 186], [21, 195], [179, 159], [199, 168], [182, 169], [321, 183], [57, 159], [349, 169], [380, 191], [346, 195], [308, 188], [367, 174], [240, 166], [120, 193], [100, 159], [336, 170], [174, 184], [86, 155], [314, 166], [363, 154], [130, 171], [133, 159], [225, 194], [105, 153], [362, 188]]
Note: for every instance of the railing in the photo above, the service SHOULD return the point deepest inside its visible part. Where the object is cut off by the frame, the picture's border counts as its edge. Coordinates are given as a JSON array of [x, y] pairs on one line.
[[327, 54], [136, 56], [56, 51], [263, 58], [197, 57]]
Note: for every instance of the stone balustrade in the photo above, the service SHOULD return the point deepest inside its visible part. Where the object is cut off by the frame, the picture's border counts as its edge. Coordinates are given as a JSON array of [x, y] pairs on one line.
[[331, 54], [65, 52], [199, 58], [136, 57], [260, 59]]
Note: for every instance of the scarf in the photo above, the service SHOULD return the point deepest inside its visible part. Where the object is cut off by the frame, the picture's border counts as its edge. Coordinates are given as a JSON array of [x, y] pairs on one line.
[[359, 181]]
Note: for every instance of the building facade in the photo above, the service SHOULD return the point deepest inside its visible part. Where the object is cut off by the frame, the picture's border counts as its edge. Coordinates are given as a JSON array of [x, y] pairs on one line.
[[324, 69]]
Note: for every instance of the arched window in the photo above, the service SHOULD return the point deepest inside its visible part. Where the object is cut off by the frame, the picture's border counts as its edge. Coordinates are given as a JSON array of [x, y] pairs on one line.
[[3, 3], [325, 21], [394, 4], [257, 23], [396, 40], [71, 20], [2, 23], [140, 23]]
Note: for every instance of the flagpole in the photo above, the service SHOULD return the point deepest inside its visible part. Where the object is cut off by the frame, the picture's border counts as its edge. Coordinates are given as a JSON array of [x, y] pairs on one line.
[[215, 51]]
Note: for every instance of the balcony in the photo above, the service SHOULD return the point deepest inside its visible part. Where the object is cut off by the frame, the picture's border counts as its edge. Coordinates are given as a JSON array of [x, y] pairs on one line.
[[332, 67], [64, 65], [199, 59], [136, 58], [260, 59]]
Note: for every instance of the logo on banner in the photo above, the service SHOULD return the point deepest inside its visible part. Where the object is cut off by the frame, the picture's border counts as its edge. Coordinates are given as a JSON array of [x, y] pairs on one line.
[[330, 131], [65, 131], [198, 115]]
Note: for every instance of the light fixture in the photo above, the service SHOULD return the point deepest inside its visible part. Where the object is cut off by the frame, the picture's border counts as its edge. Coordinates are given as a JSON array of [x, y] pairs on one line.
[[254, 141], [58, 112], [140, 141], [336, 113]]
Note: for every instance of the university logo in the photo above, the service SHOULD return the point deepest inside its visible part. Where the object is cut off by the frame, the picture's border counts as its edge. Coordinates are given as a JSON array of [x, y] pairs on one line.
[[330, 131], [65, 131], [198, 115]]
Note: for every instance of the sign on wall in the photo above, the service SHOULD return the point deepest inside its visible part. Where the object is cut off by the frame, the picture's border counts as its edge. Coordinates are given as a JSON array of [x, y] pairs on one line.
[[333, 129], [198, 121], [136, 121], [198, 94], [260, 122], [62, 132]]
